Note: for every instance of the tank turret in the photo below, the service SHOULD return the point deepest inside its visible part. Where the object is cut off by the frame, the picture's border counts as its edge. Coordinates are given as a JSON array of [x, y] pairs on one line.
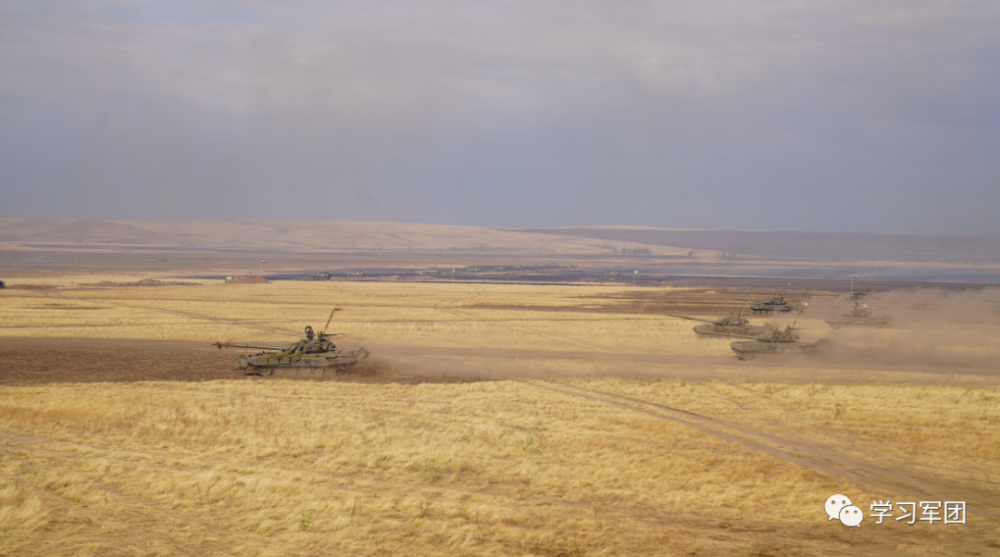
[[776, 303]]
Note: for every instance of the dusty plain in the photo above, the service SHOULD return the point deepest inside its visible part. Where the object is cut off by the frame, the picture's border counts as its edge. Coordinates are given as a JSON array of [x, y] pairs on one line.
[[492, 419]]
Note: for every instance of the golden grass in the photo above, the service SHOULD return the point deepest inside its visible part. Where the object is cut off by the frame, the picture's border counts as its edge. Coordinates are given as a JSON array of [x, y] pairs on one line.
[[482, 316], [896, 422], [440, 315], [285, 467]]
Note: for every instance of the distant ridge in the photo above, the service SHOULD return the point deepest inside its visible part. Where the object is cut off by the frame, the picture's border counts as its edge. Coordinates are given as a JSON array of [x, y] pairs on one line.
[[806, 246], [293, 235], [303, 236]]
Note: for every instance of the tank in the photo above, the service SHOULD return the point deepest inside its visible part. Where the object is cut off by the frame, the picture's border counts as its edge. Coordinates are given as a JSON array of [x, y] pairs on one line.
[[860, 294], [734, 323], [312, 356], [776, 341], [776, 303], [858, 317]]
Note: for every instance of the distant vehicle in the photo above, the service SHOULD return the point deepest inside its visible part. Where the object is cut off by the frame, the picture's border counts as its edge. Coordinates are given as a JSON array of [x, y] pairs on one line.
[[732, 324], [776, 303], [777, 341], [320, 276], [858, 317], [860, 294], [2, 285]]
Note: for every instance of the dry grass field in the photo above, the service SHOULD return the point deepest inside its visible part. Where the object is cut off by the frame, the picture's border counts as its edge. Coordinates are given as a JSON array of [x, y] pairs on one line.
[[496, 420]]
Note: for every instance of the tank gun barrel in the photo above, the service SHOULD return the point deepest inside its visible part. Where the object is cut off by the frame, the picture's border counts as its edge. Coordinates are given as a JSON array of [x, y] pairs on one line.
[[257, 346], [691, 318], [775, 299], [760, 338]]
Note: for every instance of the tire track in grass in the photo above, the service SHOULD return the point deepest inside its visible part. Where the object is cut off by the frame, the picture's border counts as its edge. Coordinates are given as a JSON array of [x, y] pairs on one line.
[[797, 451]]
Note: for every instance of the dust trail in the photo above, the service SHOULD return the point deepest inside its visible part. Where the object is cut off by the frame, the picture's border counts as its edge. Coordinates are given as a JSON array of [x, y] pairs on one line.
[[491, 364], [935, 336], [918, 306], [928, 327]]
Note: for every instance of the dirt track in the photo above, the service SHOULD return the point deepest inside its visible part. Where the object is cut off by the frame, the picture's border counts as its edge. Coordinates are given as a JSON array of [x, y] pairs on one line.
[[796, 450], [48, 360], [34, 361]]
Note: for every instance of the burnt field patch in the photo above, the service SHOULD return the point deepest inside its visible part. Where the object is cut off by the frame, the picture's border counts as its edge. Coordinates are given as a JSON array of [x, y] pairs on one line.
[[40, 361]]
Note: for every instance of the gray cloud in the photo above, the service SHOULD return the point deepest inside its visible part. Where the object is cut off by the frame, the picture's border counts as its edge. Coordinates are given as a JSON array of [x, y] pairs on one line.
[[820, 115]]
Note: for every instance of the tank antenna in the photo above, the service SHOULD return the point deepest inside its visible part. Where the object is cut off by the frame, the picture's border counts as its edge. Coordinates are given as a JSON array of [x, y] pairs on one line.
[[325, 327]]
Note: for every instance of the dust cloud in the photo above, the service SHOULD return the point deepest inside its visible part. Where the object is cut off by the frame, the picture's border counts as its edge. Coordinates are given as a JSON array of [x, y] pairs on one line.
[[496, 365], [928, 327], [933, 335]]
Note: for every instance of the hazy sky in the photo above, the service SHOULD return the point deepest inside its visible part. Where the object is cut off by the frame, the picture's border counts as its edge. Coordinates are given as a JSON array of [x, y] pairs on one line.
[[806, 115]]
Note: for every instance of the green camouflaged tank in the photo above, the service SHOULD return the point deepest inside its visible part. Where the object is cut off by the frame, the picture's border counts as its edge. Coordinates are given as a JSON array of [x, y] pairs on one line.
[[732, 324], [309, 357], [777, 341]]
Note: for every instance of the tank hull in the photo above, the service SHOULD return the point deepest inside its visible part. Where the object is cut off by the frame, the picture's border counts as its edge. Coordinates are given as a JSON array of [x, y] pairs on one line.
[[748, 350], [769, 308], [709, 330], [309, 365]]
